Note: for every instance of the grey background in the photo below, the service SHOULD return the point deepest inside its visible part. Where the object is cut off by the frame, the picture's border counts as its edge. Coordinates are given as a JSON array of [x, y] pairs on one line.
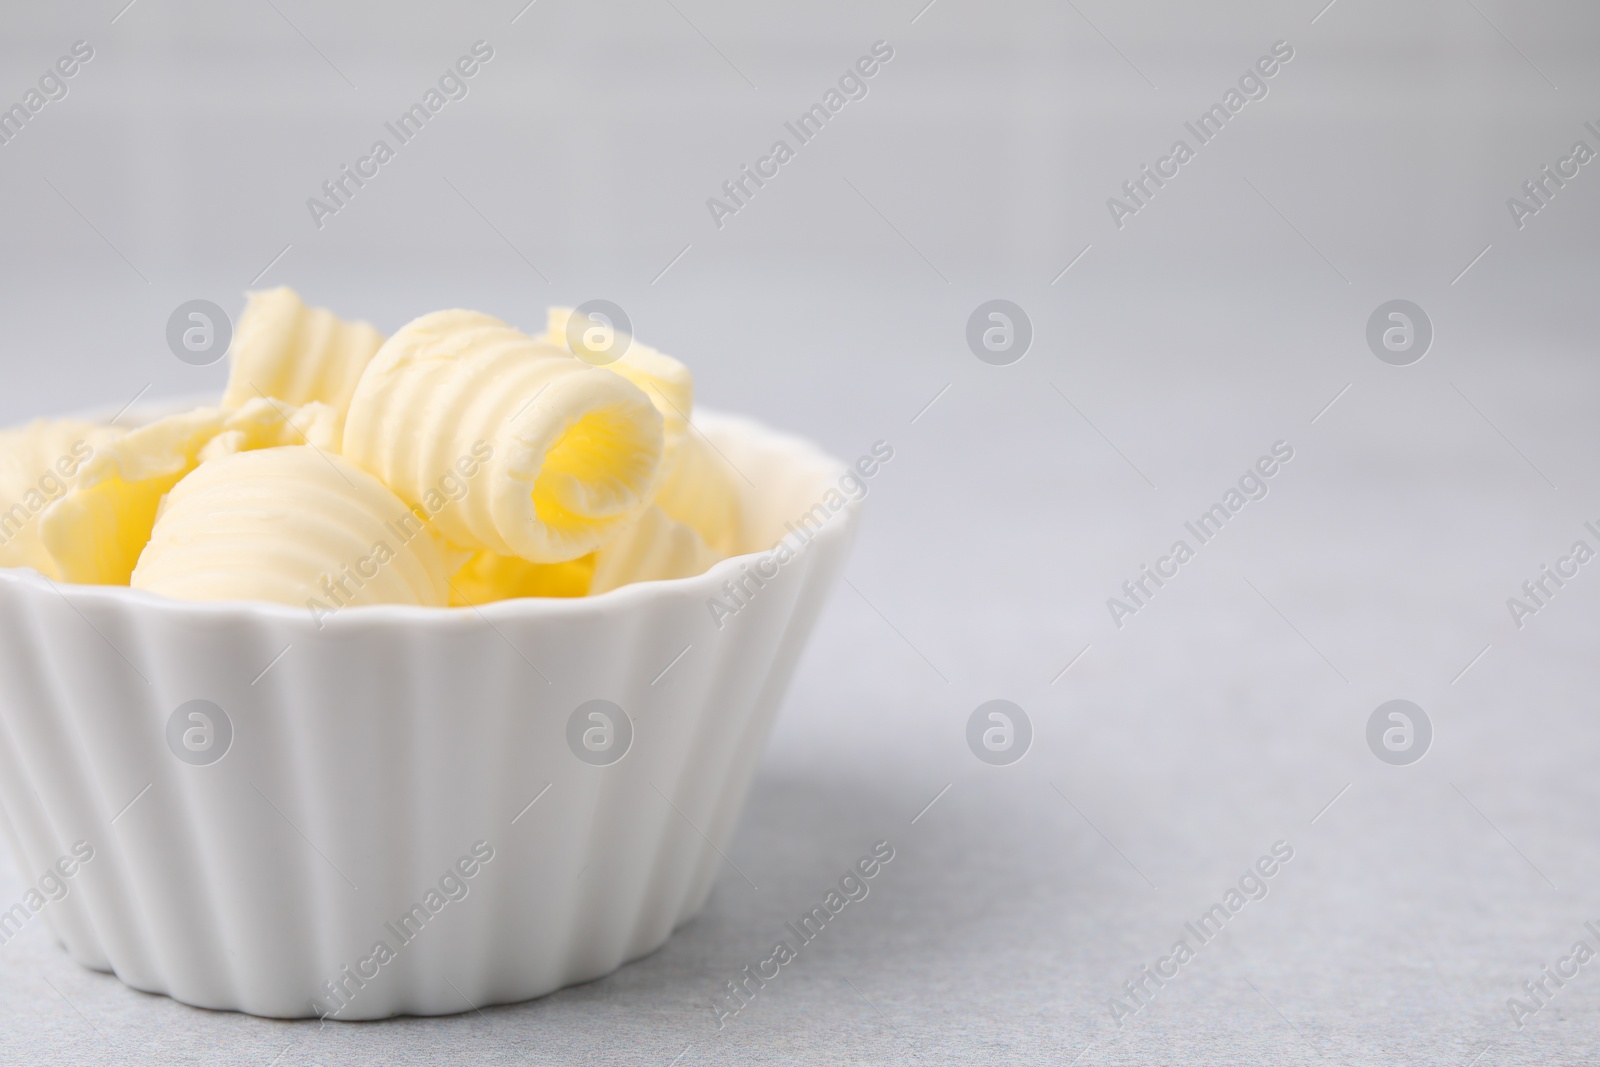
[[1222, 318]]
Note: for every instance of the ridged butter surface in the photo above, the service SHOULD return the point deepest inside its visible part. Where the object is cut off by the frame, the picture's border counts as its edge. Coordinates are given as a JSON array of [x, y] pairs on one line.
[[570, 453], [94, 533], [667, 383], [290, 526], [297, 354], [655, 548], [39, 464]]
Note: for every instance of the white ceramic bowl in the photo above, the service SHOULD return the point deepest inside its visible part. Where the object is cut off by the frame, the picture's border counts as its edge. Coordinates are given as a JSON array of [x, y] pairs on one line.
[[376, 753]]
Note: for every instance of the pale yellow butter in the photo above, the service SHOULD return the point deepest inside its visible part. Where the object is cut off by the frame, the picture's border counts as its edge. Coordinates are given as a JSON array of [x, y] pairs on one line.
[[655, 548], [703, 490], [698, 487], [297, 354], [487, 577], [39, 464], [290, 526], [573, 452], [479, 464], [94, 533], [667, 383]]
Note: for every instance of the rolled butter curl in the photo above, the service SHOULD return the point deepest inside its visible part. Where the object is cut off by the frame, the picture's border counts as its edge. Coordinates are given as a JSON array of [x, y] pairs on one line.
[[655, 548], [698, 486], [290, 526], [569, 453], [297, 354], [667, 383], [703, 490], [94, 533], [39, 464]]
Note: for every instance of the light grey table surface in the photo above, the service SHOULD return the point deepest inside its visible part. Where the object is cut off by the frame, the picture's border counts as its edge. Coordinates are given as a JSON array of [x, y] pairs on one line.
[[1226, 716], [1168, 754]]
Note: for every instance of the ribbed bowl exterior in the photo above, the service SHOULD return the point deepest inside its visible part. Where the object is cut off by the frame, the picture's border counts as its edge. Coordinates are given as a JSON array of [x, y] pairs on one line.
[[381, 748]]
